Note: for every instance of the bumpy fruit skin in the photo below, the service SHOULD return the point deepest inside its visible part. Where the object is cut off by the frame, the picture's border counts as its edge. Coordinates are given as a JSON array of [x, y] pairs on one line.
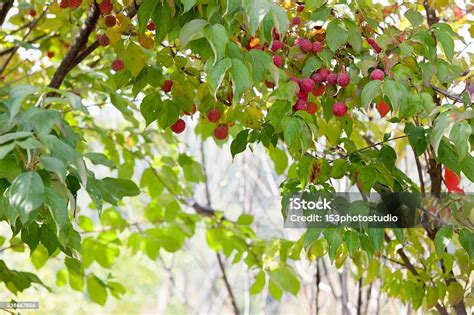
[[178, 126], [317, 47], [213, 115], [332, 78], [110, 21], [306, 85], [32, 13], [300, 105], [118, 65], [324, 74], [277, 61], [221, 132], [300, 8], [305, 45], [317, 78], [296, 20], [167, 85], [311, 108], [319, 90], [382, 108], [269, 84], [150, 25], [302, 96], [343, 80], [339, 109], [377, 74], [374, 45], [75, 3], [104, 40], [64, 4], [106, 7], [276, 45]]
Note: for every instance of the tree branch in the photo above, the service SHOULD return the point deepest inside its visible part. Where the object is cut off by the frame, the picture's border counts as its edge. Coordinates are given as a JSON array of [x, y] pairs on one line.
[[227, 285], [4, 8], [454, 97], [76, 46]]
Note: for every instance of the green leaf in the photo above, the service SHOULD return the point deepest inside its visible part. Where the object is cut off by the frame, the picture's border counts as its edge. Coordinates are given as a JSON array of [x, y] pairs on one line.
[[26, 194], [232, 6], [99, 159], [96, 290], [259, 283], [376, 237], [239, 144], [466, 239], [217, 73], [296, 133], [6, 149], [280, 159], [354, 36], [441, 124], [280, 18], [217, 36], [188, 5], [415, 17], [285, 280], [58, 206], [191, 31], [394, 91], [245, 219], [442, 239], [42, 120], [54, 165], [370, 91], [76, 273], [311, 64], [336, 34], [459, 135], [16, 96], [168, 112], [144, 13], [149, 107], [114, 189], [256, 11], [455, 293], [240, 79], [467, 167], [14, 135], [447, 43], [258, 62], [134, 59]]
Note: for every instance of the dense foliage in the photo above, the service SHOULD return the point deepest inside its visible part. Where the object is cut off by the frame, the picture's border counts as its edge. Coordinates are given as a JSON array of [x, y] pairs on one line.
[[331, 89]]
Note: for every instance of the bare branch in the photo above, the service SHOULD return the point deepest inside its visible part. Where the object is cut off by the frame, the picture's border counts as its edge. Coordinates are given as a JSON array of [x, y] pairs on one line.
[[227, 284], [454, 97], [4, 8]]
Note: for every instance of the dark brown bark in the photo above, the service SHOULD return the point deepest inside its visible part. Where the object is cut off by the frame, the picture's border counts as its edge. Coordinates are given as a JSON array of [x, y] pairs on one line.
[[4, 8], [79, 42]]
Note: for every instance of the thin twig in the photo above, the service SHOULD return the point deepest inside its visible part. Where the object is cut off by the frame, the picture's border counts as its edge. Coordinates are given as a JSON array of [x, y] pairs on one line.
[[454, 97]]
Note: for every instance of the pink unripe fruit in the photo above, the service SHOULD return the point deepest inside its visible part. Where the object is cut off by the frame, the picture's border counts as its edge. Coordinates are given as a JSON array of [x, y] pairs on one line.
[[118, 65], [221, 132], [306, 85], [213, 115], [167, 85], [324, 74], [317, 47], [319, 90], [296, 20], [302, 96], [343, 80], [178, 126], [300, 105], [278, 61], [377, 74], [317, 78], [332, 78], [305, 45], [276, 45], [339, 109]]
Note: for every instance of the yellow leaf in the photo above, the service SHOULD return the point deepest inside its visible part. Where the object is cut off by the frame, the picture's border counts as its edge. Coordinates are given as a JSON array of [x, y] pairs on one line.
[[146, 41], [114, 35], [123, 22]]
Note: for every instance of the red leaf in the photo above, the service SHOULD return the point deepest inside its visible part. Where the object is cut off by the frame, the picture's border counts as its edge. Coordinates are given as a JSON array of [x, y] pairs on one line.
[[452, 180]]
